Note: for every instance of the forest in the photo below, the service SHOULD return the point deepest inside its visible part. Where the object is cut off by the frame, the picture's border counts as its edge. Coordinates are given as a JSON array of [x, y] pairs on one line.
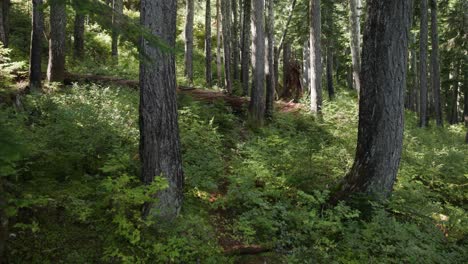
[[233, 131]]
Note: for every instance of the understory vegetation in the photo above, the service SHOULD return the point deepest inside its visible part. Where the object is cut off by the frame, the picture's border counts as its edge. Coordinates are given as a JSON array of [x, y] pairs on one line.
[[76, 196], [70, 172]]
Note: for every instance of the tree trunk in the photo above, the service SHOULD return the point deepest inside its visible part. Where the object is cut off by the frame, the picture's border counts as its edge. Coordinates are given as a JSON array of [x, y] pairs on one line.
[[453, 112], [315, 57], [257, 98], [413, 91], [78, 34], [3, 222], [381, 105], [218, 44], [226, 17], [208, 56], [286, 93], [306, 67], [355, 7], [330, 88], [435, 64], [245, 64], [159, 132], [270, 82], [35, 73], [58, 22], [190, 9], [423, 65], [235, 40], [117, 5], [4, 6]]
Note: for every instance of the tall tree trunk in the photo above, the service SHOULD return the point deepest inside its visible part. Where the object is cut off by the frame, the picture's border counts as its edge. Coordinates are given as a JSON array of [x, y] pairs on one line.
[[208, 56], [270, 82], [78, 34], [257, 98], [189, 40], [58, 22], [355, 7], [306, 66], [453, 113], [218, 44], [330, 87], [245, 64], [435, 64], [159, 132], [117, 5], [235, 40], [226, 17], [381, 105], [4, 10], [423, 65], [3, 222], [315, 57], [414, 82], [286, 70], [35, 73]]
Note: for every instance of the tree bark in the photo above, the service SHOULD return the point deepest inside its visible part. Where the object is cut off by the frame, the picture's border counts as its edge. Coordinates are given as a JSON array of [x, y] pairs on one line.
[[35, 73], [58, 22], [235, 40], [78, 35], [245, 63], [355, 7], [330, 87], [4, 7], [315, 58], [270, 82], [257, 98], [218, 44], [306, 67], [381, 105], [208, 56], [226, 18], [423, 65], [117, 5], [159, 132], [190, 10], [286, 70], [3, 223], [453, 112], [435, 64]]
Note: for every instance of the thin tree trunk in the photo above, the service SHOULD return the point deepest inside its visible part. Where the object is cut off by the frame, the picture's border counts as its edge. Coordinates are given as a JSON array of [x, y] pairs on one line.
[[306, 67], [190, 10], [423, 65], [235, 40], [453, 113], [208, 56], [436, 64], [355, 7], [286, 27], [286, 70], [245, 64], [270, 82], [257, 98], [117, 5], [35, 73], [159, 132], [330, 87], [78, 34], [226, 18], [4, 6], [315, 58], [414, 82], [57, 42], [381, 105], [218, 44], [3, 222]]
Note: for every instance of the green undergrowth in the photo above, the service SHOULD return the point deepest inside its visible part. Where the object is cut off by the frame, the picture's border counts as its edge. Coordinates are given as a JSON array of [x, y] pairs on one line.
[[69, 161]]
